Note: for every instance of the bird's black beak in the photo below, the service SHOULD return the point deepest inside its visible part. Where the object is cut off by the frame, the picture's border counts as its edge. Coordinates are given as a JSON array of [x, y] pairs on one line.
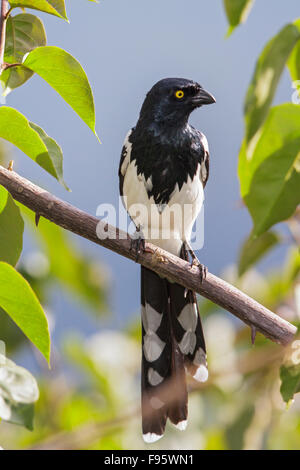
[[203, 97]]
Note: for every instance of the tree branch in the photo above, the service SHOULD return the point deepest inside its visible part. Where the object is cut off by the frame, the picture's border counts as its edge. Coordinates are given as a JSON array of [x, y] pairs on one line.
[[175, 269], [3, 19]]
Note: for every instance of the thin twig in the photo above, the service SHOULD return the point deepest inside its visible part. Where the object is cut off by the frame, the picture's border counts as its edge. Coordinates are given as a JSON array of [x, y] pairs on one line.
[[6, 65], [165, 264], [85, 435], [8, 12], [3, 19]]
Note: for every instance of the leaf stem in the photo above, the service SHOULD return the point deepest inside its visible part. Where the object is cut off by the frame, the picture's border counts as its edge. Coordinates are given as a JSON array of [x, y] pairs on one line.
[[8, 66], [3, 19], [8, 13]]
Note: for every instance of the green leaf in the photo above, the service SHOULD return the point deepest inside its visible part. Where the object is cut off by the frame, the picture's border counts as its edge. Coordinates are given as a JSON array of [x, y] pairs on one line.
[[294, 63], [290, 381], [67, 77], [22, 415], [14, 77], [253, 250], [53, 7], [237, 12], [32, 140], [294, 66], [270, 176], [11, 335], [11, 229], [54, 150], [78, 273], [21, 304], [267, 73], [24, 33]]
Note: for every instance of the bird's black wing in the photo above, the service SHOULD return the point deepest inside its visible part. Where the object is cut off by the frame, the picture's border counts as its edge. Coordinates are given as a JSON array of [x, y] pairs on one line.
[[203, 156], [124, 160]]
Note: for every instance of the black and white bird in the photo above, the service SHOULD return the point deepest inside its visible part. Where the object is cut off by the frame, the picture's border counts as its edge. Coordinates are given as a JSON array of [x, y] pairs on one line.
[[164, 166]]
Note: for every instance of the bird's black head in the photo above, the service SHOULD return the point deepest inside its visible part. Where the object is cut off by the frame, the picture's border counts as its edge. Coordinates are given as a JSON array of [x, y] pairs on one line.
[[171, 101]]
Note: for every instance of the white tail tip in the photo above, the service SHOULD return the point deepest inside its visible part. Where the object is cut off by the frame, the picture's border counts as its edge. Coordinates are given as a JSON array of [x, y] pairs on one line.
[[181, 426], [201, 374], [151, 437]]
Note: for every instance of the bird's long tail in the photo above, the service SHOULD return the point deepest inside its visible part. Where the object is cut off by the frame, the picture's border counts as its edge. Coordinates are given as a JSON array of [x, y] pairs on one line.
[[172, 343]]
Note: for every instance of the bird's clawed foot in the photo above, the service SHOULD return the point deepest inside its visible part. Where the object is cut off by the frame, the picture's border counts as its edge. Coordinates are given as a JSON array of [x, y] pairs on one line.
[[137, 243], [196, 262], [201, 267]]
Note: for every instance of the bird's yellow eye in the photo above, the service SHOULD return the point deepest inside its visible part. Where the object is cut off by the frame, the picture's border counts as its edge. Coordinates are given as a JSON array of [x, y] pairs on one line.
[[179, 94]]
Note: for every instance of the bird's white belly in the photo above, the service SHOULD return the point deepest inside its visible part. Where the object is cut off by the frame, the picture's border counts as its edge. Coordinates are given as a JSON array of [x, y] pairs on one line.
[[169, 225]]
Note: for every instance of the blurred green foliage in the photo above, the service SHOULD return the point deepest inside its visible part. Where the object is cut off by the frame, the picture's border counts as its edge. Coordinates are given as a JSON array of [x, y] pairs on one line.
[[83, 277], [24, 33], [11, 229], [90, 399]]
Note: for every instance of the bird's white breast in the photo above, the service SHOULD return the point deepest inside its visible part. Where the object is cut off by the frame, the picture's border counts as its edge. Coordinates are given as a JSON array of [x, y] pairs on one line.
[[164, 225]]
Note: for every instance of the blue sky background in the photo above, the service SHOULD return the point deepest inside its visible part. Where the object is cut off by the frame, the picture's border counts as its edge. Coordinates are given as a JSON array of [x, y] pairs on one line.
[[125, 46]]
